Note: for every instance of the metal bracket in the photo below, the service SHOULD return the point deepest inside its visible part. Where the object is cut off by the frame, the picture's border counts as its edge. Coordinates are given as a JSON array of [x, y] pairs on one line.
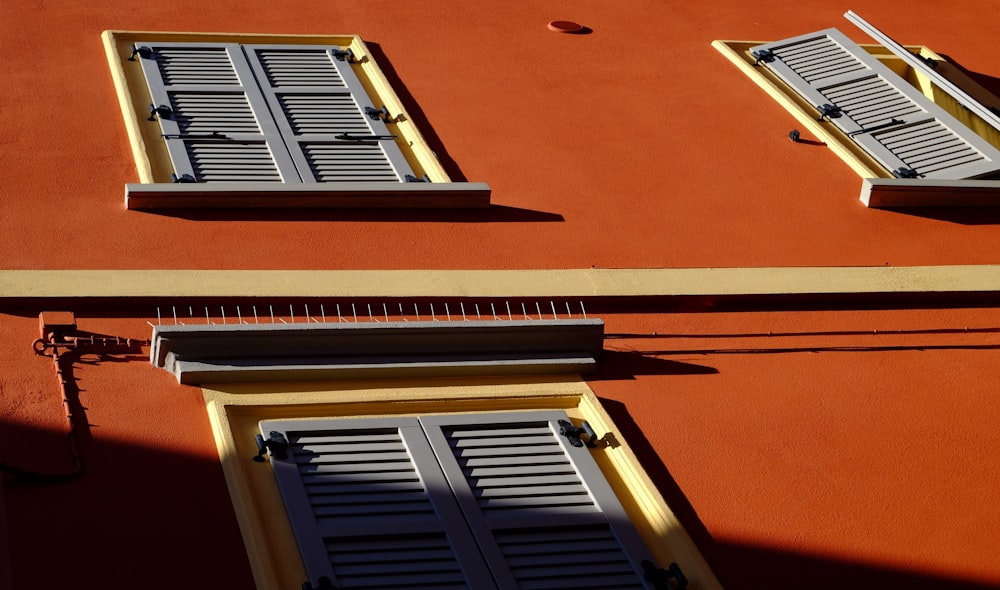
[[412, 178], [829, 111], [763, 55], [162, 111], [903, 172], [323, 583], [183, 178], [350, 137], [573, 433], [671, 578], [891, 123], [276, 444], [143, 51], [794, 135], [344, 55]]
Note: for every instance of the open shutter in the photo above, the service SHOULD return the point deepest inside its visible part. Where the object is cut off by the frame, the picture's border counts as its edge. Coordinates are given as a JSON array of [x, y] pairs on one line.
[[541, 510], [319, 103], [897, 125], [370, 507], [218, 127]]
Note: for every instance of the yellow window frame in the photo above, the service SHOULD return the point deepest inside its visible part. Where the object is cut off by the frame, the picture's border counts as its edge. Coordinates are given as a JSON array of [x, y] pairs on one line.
[[153, 162], [235, 411]]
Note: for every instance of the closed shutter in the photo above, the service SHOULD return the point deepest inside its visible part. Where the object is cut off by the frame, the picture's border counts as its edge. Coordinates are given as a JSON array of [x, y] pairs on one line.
[[370, 508], [540, 508], [218, 127], [320, 104], [420, 502], [898, 126]]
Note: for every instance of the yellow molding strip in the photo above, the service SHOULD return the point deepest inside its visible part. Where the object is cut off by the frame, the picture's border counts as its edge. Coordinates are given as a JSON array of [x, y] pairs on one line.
[[498, 283]]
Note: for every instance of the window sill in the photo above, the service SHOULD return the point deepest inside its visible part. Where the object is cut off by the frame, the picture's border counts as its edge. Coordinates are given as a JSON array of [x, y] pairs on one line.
[[332, 195]]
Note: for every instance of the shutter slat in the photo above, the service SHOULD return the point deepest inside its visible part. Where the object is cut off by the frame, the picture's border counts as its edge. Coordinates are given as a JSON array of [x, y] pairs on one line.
[[828, 68]]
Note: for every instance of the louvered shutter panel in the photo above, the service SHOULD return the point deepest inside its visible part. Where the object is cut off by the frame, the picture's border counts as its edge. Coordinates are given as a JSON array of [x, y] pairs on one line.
[[220, 128], [316, 96], [370, 507], [541, 510], [881, 112]]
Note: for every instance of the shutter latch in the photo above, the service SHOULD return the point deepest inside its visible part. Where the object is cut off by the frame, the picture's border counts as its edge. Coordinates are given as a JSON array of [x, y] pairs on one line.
[[663, 579], [324, 583], [276, 444], [829, 111], [891, 123], [351, 137], [573, 433]]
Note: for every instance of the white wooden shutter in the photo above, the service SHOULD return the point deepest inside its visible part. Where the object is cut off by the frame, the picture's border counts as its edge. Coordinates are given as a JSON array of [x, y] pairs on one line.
[[370, 507], [219, 128], [540, 508], [317, 100], [897, 125]]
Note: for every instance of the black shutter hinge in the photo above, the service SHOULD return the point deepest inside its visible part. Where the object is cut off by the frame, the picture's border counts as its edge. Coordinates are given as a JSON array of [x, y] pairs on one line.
[[671, 578], [829, 111], [143, 51], [904, 172], [323, 583], [344, 55], [182, 179], [412, 178], [574, 434], [162, 111], [381, 114], [763, 55], [276, 444]]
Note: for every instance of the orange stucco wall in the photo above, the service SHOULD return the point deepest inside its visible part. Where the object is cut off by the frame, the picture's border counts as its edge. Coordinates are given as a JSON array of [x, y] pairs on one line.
[[801, 449], [637, 145]]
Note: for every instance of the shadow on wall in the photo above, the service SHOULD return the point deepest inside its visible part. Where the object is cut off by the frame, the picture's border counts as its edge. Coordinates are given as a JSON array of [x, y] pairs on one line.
[[740, 566], [137, 517]]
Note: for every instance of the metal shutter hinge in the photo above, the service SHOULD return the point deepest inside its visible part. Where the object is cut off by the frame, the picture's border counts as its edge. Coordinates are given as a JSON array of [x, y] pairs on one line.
[[344, 55], [903, 172], [763, 55], [379, 114], [183, 178], [574, 434], [412, 178], [663, 579], [145, 52], [162, 111], [324, 583], [276, 444], [829, 111]]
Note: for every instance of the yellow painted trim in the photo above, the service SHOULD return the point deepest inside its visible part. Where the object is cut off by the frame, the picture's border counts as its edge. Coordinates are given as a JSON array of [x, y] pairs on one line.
[[75, 284], [149, 149], [236, 410]]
